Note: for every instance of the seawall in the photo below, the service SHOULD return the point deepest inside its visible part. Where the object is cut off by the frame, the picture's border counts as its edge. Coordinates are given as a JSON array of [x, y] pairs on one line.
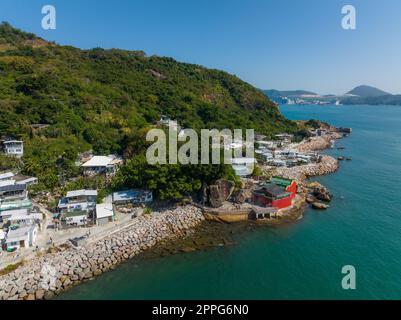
[[50, 274]]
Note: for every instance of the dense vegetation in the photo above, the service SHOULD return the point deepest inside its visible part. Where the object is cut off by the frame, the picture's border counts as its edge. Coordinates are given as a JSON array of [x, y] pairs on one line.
[[62, 101]]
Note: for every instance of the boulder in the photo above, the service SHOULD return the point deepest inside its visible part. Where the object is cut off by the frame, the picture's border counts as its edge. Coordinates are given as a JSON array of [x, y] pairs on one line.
[[320, 206], [242, 196], [220, 192], [39, 294]]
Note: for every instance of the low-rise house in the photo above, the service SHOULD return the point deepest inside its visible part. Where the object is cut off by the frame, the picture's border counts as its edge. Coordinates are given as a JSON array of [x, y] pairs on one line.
[[13, 148], [104, 213], [107, 165], [133, 197], [13, 192], [23, 237], [6, 176], [15, 205], [25, 180], [78, 200], [75, 218], [21, 217], [18, 179]]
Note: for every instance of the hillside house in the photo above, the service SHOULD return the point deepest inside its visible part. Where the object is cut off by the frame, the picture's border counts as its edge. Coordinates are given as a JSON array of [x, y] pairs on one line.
[[23, 237], [132, 196], [78, 200], [107, 165], [13, 192], [13, 148], [104, 213]]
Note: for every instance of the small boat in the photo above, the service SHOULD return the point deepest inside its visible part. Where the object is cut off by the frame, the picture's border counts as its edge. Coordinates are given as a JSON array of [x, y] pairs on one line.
[[340, 158], [348, 159]]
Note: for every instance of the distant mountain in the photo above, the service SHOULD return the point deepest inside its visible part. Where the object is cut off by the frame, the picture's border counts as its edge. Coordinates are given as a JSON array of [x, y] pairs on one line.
[[367, 91]]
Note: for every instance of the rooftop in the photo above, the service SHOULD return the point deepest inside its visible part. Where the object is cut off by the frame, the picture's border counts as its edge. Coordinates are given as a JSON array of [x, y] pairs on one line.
[[5, 206], [13, 212], [19, 234], [272, 190], [99, 161], [6, 175], [81, 193], [128, 195], [104, 210]]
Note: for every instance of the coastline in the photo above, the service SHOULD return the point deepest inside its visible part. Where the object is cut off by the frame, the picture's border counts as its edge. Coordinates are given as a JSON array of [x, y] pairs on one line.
[[184, 229], [47, 275]]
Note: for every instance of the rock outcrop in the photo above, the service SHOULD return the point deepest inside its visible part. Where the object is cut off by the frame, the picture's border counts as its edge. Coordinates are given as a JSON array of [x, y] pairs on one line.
[[220, 192]]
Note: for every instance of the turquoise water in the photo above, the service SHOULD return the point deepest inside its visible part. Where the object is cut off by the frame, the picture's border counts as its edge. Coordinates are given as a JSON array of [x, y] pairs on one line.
[[303, 260]]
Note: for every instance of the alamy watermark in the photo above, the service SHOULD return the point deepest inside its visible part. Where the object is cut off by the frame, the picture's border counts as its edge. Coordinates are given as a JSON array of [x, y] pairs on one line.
[[348, 22], [349, 280], [211, 144], [49, 20]]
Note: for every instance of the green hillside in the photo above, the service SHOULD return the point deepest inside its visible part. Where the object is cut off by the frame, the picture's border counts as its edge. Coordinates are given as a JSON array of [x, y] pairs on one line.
[[105, 99]]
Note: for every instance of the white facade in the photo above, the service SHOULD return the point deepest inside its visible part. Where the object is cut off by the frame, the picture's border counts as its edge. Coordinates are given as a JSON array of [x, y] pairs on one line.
[[14, 148], [102, 165], [23, 237]]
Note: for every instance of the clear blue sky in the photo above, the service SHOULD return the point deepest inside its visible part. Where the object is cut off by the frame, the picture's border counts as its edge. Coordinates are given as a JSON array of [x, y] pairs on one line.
[[281, 44]]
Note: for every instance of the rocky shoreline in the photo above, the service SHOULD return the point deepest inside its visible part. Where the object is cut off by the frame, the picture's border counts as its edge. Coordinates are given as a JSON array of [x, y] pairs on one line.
[[183, 229], [66, 266]]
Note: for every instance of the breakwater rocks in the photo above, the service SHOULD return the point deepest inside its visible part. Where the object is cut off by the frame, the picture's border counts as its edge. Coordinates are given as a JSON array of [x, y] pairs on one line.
[[48, 275], [300, 173], [319, 143]]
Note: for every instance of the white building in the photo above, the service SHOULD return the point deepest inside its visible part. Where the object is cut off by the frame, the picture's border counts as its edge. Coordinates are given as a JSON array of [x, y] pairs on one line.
[[13, 148], [6, 176], [102, 165], [21, 217], [9, 178], [104, 213], [78, 200], [75, 218], [23, 237]]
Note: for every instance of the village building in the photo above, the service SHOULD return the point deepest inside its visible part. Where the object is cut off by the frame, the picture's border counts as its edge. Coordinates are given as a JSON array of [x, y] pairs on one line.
[[75, 218], [23, 237], [78, 200], [13, 192], [132, 197], [9, 178], [279, 193], [21, 217], [25, 180], [6, 176], [13, 148], [104, 213], [263, 213], [107, 165], [15, 205]]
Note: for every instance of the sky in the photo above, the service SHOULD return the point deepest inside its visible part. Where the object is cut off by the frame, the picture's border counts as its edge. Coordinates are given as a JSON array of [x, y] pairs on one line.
[[272, 44]]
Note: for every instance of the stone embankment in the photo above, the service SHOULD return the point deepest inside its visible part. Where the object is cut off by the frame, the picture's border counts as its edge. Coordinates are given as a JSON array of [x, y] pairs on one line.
[[319, 143], [48, 275], [327, 165]]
